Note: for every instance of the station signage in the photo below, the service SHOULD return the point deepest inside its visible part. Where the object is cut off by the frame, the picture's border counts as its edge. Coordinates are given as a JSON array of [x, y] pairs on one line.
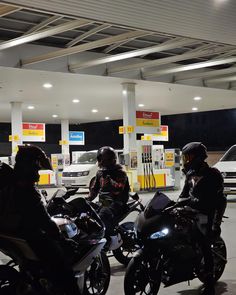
[[76, 138], [33, 132], [148, 122], [163, 136]]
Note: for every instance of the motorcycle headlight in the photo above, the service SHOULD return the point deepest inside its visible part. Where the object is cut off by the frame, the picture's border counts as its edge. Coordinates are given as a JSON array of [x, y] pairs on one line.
[[160, 234]]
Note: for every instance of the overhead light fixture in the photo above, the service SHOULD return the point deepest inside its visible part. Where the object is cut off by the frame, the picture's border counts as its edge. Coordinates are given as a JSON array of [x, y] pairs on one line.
[[197, 98], [30, 107], [94, 111], [75, 100], [107, 118], [54, 116], [47, 85], [194, 109], [141, 105], [124, 91]]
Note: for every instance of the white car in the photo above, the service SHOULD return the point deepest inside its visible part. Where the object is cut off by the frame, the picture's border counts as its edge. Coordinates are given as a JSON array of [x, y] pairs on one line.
[[81, 173], [227, 167]]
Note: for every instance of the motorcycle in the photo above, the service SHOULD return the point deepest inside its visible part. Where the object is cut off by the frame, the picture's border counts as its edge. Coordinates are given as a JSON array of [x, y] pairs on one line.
[[24, 274], [170, 251], [123, 244]]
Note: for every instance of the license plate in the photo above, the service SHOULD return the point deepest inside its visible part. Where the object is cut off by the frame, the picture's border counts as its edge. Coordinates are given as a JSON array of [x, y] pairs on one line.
[[66, 182]]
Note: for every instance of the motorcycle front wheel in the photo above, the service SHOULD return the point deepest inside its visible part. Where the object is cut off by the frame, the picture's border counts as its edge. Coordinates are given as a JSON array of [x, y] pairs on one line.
[[97, 276], [9, 280], [126, 251], [142, 277]]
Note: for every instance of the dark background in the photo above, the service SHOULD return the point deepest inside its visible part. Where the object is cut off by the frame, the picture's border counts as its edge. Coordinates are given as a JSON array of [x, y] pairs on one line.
[[216, 129]]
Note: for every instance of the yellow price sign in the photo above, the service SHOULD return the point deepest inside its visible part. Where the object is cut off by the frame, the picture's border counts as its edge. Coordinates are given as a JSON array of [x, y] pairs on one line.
[[14, 138], [146, 137], [130, 129], [63, 142], [121, 129], [169, 159]]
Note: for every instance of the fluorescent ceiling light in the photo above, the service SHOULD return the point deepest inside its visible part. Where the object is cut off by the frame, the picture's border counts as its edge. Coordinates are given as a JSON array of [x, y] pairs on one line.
[[197, 98], [141, 105], [47, 85], [194, 109], [75, 100], [124, 91], [30, 107], [54, 116], [107, 118], [94, 111]]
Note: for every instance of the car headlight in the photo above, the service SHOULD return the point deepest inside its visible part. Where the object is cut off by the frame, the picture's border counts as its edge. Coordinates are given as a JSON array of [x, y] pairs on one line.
[[83, 173], [159, 234]]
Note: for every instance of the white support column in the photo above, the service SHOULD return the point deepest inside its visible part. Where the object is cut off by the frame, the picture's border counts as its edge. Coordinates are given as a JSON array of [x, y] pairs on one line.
[[16, 126], [65, 148], [129, 115]]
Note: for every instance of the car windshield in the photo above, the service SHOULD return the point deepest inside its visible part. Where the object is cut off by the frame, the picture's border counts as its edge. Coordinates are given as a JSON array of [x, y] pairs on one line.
[[230, 155], [87, 158]]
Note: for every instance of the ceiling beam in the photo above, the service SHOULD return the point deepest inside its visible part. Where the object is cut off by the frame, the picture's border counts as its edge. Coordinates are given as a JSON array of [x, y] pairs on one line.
[[80, 48], [131, 54], [7, 9], [88, 34], [114, 46], [166, 60], [43, 24], [222, 79], [44, 33], [194, 66], [207, 74]]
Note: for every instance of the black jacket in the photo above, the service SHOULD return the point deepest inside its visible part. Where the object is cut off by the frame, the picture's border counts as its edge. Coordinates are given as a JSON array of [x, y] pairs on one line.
[[117, 184], [22, 212], [205, 188]]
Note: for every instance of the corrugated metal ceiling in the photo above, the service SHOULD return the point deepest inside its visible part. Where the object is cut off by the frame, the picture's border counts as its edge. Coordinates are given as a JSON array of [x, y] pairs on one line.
[[213, 20]]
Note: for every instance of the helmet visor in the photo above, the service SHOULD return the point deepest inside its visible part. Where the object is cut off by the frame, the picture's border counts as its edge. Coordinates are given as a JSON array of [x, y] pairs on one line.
[[185, 159]]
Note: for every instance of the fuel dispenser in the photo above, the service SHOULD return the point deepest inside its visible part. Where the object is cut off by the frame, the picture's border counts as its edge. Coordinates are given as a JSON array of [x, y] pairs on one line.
[[172, 161], [151, 170], [59, 161]]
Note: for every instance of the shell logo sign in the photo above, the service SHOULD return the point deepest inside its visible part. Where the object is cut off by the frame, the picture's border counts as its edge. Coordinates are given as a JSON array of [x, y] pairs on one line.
[[33, 132], [148, 122]]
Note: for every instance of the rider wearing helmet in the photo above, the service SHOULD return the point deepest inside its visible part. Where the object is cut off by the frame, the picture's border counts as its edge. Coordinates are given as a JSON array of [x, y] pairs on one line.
[[204, 190], [25, 216], [112, 186]]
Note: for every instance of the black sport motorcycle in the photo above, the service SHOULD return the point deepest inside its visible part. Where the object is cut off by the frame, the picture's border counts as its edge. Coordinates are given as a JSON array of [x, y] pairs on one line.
[[123, 244], [25, 274], [170, 250]]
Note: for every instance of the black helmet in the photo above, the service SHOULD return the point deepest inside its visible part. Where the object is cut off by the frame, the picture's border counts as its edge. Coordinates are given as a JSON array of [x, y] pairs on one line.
[[29, 160], [193, 155], [106, 157], [31, 153]]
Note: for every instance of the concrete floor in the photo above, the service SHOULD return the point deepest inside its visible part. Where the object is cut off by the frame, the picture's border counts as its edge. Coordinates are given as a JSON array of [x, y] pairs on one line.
[[226, 285]]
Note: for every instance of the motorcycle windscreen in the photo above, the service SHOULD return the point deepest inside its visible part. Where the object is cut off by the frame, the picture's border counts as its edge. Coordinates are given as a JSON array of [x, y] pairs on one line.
[[159, 202]]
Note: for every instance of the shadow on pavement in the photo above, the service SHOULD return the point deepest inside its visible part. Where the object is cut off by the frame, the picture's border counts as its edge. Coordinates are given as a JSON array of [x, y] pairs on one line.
[[117, 270], [221, 288]]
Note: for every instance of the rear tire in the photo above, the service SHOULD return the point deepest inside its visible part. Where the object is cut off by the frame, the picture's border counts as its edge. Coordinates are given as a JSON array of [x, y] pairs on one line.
[[142, 277], [126, 251], [220, 257], [219, 252], [97, 277]]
